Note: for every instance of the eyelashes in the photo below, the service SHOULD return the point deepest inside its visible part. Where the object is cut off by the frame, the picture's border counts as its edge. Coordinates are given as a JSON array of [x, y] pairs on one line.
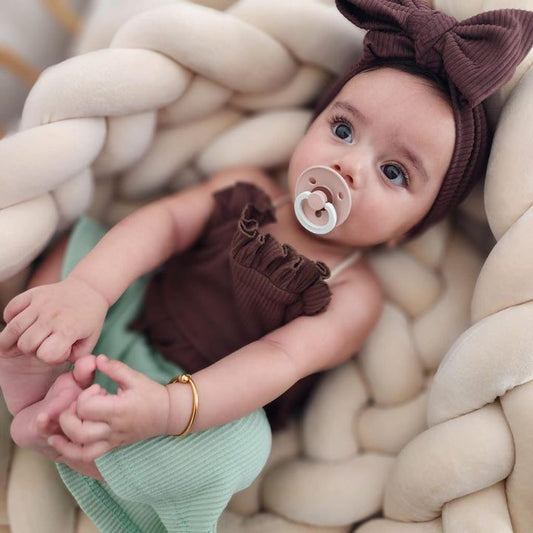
[[341, 127], [393, 171]]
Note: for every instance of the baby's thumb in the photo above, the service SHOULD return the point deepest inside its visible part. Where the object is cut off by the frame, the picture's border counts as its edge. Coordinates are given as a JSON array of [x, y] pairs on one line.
[[120, 373], [83, 347]]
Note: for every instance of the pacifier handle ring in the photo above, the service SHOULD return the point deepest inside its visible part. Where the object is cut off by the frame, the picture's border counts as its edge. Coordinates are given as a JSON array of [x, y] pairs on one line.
[[306, 223]]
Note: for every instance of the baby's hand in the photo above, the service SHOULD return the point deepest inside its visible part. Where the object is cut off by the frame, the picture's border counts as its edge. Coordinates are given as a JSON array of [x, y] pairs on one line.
[[55, 322], [99, 422]]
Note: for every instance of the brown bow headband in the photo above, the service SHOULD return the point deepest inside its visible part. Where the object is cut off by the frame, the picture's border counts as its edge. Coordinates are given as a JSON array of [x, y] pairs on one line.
[[474, 58]]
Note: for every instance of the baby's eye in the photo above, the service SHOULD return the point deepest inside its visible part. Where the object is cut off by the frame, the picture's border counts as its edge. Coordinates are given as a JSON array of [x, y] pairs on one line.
[[343, 131], [395, 174]]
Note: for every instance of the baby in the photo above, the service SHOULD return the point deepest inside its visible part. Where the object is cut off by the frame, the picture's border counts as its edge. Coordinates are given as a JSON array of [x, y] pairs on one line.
[[407, 141]]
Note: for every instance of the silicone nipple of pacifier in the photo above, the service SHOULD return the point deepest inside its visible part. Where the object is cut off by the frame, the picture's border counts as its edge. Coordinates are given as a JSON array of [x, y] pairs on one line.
[[323, 199]]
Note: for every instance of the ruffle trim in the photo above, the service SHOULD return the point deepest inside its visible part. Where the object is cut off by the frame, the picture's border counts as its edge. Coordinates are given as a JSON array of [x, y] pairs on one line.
[[285, 268], [229, 204]]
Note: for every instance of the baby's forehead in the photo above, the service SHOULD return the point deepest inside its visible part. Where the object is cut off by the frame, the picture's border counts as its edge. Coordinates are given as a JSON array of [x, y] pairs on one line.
[[391, 83], [392, 109], [389, 94]]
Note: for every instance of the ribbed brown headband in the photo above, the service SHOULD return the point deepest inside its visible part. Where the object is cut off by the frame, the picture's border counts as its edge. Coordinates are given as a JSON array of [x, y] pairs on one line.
[[474, 58]]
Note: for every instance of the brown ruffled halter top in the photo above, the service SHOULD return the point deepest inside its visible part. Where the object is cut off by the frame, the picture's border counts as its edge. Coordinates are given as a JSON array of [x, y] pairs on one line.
[[232, 287]]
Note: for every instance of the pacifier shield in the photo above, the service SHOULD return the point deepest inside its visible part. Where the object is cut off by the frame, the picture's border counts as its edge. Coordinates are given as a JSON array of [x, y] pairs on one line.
[[323, 200]]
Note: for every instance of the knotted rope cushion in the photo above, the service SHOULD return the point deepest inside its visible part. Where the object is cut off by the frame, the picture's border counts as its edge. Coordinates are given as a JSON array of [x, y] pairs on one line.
[[34, 35], [339, 465], [65, 109]]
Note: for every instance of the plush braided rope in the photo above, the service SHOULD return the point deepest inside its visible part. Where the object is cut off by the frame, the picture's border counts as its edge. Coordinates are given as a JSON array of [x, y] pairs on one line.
[[365, 412], [97, 113], [471, 470]]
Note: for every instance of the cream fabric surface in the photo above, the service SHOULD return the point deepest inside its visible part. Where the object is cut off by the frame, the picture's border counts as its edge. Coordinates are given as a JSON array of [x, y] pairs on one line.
[[429, 424]]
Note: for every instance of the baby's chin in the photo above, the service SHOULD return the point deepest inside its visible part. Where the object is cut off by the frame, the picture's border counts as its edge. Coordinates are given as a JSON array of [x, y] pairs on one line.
[[351, 237], [344, 237]]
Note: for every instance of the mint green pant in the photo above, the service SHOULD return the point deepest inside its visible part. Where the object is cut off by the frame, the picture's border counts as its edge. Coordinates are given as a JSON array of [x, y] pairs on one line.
[[160, 484]]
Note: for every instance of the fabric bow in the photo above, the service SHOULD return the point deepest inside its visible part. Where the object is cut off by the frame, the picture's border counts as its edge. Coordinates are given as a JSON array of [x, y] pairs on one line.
[[477, 55]]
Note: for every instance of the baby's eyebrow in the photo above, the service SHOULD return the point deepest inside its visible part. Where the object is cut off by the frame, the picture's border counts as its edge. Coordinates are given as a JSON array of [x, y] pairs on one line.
[[346, 106], [414, 159]]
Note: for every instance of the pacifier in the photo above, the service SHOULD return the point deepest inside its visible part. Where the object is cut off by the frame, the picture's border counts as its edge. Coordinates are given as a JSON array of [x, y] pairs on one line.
[[323, 200]]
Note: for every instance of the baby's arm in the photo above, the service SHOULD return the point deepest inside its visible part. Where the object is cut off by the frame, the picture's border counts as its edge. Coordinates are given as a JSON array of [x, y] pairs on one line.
[[148, 237], [63, 320], [229, 389], [258, 373]]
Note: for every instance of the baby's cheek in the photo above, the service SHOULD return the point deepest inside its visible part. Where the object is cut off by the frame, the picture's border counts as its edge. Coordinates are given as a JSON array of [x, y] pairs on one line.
[[296, 167], [306, 154]]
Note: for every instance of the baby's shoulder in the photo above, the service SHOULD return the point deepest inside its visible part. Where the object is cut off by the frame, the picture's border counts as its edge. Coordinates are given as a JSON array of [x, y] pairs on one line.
[[353, 311], [360, 281], [256, 176]]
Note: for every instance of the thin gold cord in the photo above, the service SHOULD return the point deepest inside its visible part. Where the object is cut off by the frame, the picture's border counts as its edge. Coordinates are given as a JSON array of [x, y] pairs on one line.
[[18, 66], [63, 12]]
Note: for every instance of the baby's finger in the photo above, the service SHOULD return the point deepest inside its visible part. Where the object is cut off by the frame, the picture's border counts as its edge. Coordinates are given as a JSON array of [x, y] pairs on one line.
[[16, 305], [82, 347], [120, 373], [73, 452], [97, 407], [16, 327], [32, 338], [93, 390], [85, 432], [54, 349], [70, 423]]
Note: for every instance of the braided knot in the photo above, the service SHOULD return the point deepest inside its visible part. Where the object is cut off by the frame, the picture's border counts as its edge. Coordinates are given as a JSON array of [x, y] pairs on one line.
[[427, 29]]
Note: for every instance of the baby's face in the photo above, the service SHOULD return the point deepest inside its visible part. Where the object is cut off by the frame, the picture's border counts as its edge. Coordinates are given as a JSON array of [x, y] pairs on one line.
[[391, 136]]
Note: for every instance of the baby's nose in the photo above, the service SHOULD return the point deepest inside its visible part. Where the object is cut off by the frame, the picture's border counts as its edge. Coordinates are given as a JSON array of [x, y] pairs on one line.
[[345, 172]]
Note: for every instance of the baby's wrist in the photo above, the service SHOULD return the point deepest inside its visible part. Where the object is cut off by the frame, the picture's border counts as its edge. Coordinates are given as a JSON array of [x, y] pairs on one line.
[[74, 277]]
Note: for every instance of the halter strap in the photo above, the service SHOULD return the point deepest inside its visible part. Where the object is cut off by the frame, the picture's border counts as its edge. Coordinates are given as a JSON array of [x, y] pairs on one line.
[[345, 263]]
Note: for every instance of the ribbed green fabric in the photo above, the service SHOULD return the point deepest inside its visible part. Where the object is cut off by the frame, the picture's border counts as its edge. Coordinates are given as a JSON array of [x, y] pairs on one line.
[[161, 484]]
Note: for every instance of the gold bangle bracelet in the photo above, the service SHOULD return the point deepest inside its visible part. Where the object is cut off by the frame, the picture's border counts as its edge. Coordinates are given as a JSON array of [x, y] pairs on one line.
[[187, 378]]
